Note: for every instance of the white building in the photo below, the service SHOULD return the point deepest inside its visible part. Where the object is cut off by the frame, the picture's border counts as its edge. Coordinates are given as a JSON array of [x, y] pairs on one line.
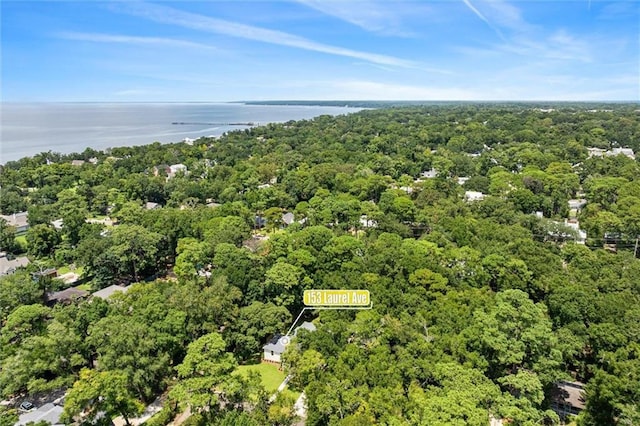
[[471, 196], [429, 174], [366, 222], [177, 168], [577, 204], [273, 350], [18, 220], [575, 225], [288, 218], [624, 151], [597, 152]]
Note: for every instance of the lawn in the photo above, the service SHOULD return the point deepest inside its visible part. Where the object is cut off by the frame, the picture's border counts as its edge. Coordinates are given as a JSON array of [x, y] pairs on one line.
[[271, 376], [66, 269], [22, 240]]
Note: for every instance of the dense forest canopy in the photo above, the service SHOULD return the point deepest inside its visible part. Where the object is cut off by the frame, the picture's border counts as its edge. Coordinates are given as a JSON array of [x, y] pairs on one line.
[[499, 244]]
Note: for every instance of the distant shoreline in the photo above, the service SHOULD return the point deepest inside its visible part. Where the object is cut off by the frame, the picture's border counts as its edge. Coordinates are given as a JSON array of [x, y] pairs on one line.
[[373, 104], [30, 128]]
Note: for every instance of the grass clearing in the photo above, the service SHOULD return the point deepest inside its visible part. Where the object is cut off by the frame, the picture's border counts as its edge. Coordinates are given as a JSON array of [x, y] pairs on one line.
[[291, 393], [22, 240], [86, 287], [67, 269], [271, 376]]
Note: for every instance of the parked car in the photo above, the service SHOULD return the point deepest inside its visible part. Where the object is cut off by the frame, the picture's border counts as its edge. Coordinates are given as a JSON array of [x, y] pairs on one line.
[[27, 406]]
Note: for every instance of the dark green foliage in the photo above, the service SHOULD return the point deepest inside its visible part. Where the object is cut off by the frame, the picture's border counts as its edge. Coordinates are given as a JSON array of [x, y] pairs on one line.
[[478, 307]]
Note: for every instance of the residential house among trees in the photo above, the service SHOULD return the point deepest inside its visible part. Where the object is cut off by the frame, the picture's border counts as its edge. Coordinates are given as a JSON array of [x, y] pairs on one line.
[[9, 265], [568, 399], [273, 350], [18, 220]]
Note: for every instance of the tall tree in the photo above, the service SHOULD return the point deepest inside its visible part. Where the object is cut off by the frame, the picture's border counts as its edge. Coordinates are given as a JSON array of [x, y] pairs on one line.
[[205, 375], [100, 393]]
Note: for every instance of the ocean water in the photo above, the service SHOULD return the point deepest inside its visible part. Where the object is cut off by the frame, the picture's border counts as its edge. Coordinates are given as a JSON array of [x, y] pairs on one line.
[[27, 129]]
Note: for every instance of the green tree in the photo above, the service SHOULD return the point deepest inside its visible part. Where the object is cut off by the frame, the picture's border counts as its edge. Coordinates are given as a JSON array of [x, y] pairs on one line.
[[283, 283], [73, 210], [229, 229], [455, 396], [42, 240], [16, 290], [193, 257], [255, 324], [136, 348], [205, 375], [514, 335], [7, 237], [100, 392]]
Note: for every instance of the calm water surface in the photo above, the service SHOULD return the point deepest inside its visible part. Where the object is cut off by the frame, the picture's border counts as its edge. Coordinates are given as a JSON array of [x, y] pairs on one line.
[[30, 128]]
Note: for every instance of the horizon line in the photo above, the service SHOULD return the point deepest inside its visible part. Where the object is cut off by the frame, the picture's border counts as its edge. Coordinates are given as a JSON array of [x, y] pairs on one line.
[[323, 101]]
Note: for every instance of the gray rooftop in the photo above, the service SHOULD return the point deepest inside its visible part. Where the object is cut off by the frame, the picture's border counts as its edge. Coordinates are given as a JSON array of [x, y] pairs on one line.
[[277, 347], [571, 393], [17, 219], [274, 345], [107, 292], [69, 294], [288, 218], [305, 325], [9, 266]]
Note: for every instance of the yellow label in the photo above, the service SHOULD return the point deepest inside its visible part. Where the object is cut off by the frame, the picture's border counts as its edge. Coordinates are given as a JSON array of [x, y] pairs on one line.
[[336, 298]]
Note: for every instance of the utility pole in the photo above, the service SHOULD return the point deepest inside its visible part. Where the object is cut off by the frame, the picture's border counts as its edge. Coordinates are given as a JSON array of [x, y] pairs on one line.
[[635, 250]]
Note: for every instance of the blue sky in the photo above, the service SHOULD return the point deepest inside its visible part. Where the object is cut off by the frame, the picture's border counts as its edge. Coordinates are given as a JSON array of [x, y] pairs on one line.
[[320, 49]]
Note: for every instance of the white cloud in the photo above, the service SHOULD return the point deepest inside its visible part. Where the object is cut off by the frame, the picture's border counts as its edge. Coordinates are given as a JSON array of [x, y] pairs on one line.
[[508, 16], [136, 92], [126, 39], [168, 15], [362, 89], [559, 46], [377, 16], [483, 18]]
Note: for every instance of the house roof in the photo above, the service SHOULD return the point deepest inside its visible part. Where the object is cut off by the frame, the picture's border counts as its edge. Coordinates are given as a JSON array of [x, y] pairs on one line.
[[107, 292], [305, 325], [429, 173], [177, 168], [274, 345], [67, 295], [578, 202], [571, 393], [16, 220], [288, 218], [473, 195], [7, 266]]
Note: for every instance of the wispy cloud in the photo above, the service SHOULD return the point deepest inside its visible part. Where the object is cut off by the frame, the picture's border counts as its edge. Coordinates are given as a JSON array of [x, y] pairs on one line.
[[506, 15], [365, 89], [136, 92], [126, 39], [527, 40], [483, 18], [375, 16], [558, 46], [168, 15]]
